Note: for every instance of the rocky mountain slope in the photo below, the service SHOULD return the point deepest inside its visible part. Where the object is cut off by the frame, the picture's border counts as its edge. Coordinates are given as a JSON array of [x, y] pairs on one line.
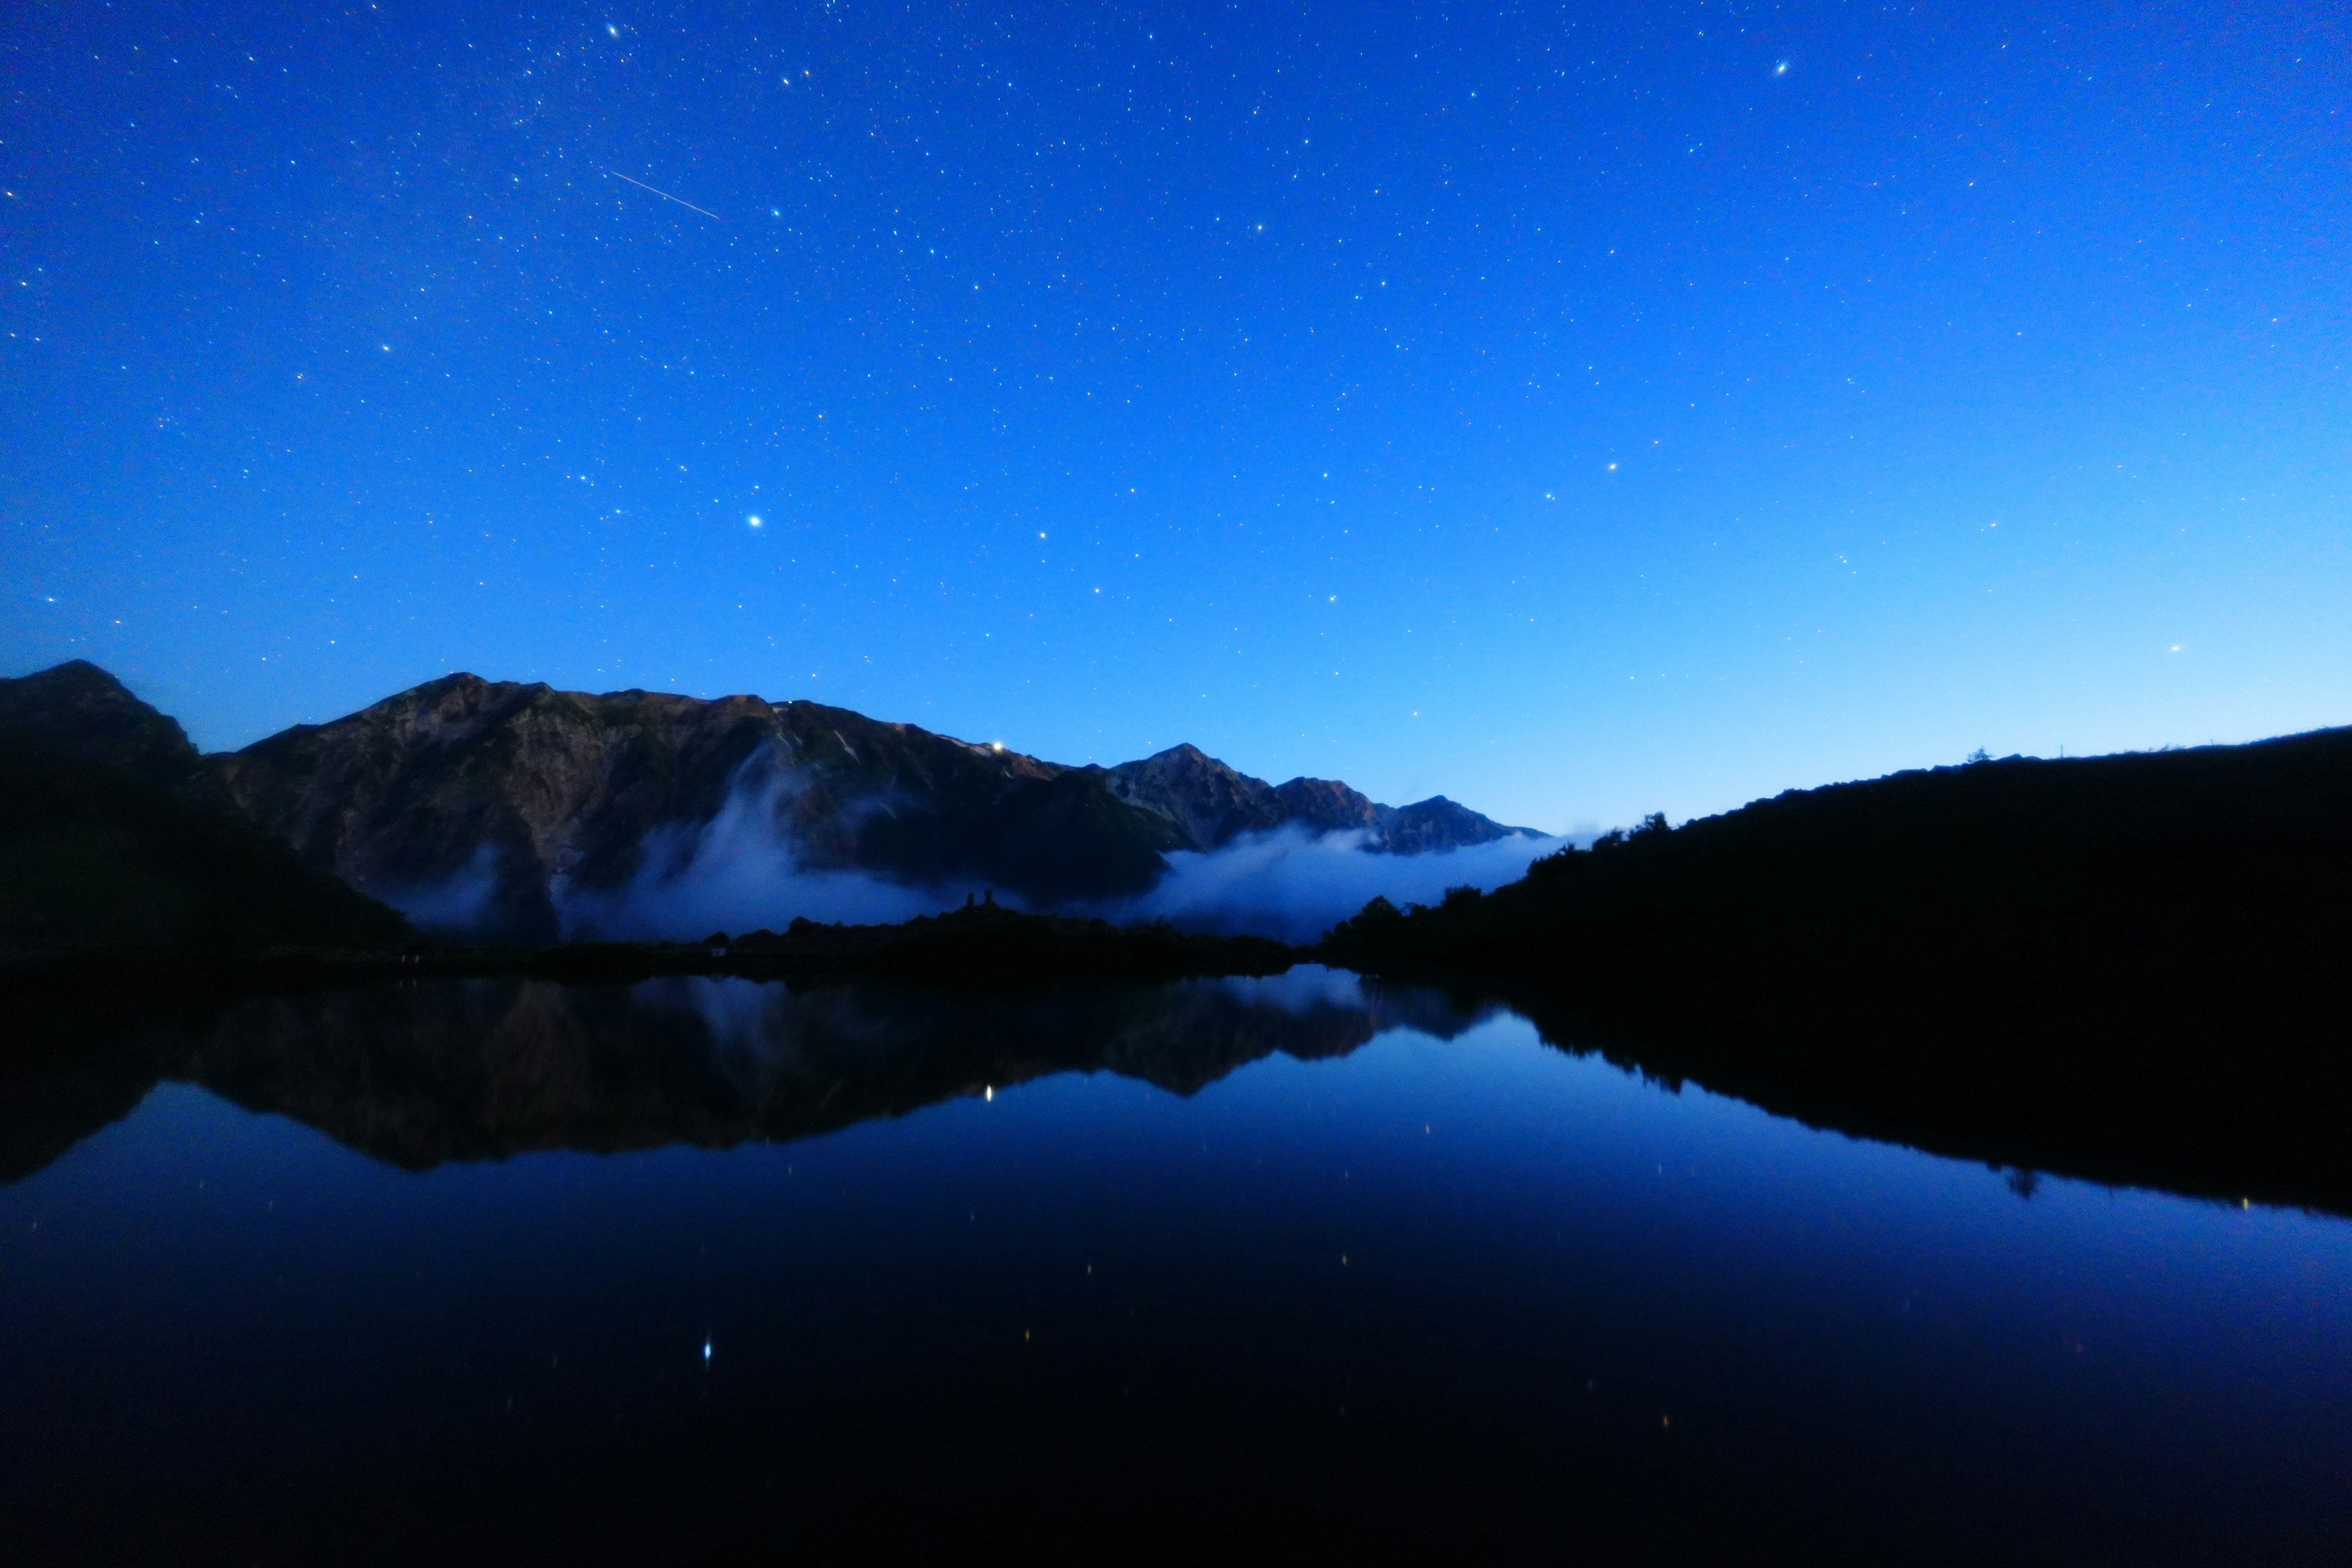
[[528, 787], [1213, 804]]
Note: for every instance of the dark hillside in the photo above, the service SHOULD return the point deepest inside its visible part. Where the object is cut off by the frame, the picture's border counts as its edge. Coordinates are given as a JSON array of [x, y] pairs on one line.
[[94, 859], [2129, 966], [77, 710], [2023, 862]]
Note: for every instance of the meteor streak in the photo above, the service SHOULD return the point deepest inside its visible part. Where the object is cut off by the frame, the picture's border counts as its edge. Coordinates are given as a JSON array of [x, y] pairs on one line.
[[664, 195]]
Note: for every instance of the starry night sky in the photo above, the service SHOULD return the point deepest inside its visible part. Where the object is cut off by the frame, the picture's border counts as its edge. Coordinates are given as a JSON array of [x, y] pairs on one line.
[[1579, 411]]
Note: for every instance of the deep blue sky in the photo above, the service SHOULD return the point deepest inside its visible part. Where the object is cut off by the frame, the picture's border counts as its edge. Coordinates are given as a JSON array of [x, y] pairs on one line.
[[1579, 411]]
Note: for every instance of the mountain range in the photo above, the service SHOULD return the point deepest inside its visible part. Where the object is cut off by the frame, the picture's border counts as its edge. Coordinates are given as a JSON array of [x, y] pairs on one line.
[[489, 801]]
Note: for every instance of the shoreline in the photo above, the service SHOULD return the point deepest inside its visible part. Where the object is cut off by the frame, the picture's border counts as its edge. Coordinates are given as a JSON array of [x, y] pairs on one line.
[[988, 945]]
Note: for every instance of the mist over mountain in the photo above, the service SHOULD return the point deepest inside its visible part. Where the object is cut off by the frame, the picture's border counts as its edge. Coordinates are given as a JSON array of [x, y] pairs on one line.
[[533, 813], [520, 812]]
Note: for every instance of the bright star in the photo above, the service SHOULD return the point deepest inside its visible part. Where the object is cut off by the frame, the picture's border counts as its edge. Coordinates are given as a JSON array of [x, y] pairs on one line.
[[752, 520]]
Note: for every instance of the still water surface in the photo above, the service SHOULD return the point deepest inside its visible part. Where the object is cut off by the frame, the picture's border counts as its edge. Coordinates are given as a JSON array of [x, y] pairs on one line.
[[705, 1264]]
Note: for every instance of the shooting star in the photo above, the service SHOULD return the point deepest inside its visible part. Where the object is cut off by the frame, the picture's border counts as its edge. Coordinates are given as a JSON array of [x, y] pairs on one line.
[[664, 195]]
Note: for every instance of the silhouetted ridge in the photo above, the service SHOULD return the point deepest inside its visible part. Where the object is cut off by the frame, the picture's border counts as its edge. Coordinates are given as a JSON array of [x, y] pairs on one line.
[[77, 710], [115, 837], [2208, 844], [95, 859], [2124, 966]]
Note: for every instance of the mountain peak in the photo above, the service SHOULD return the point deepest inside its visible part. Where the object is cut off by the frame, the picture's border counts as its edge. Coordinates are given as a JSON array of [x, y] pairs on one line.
[[1213, 803], [1209, 801], [77, 710]]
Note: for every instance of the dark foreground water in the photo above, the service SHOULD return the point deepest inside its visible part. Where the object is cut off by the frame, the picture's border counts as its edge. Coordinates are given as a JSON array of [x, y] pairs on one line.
[[704, 1267]]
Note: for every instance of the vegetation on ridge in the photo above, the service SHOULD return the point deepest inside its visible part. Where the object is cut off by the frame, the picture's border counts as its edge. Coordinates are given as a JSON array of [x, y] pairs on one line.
[[2016, 862], [2126, 966]]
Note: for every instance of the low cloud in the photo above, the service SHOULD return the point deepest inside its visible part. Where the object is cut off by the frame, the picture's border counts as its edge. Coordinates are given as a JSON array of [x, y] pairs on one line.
[[453, 906], [1293, 885], [739, 871], [1300, 992], [742, 870]]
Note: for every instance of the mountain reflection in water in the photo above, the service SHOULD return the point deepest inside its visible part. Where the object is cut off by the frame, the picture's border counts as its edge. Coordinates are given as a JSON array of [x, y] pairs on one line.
[[698, 1269], [419, 1074]]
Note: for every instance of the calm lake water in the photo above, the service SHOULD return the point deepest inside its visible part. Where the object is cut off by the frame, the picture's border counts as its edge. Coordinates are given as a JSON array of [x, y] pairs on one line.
[[704, 1265]]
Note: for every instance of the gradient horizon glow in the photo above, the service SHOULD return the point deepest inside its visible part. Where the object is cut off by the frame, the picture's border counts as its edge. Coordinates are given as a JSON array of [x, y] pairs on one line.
[[1577, 411]]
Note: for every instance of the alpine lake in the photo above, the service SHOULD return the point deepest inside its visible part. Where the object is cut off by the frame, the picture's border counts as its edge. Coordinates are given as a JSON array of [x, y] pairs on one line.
[[701, 1267]]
